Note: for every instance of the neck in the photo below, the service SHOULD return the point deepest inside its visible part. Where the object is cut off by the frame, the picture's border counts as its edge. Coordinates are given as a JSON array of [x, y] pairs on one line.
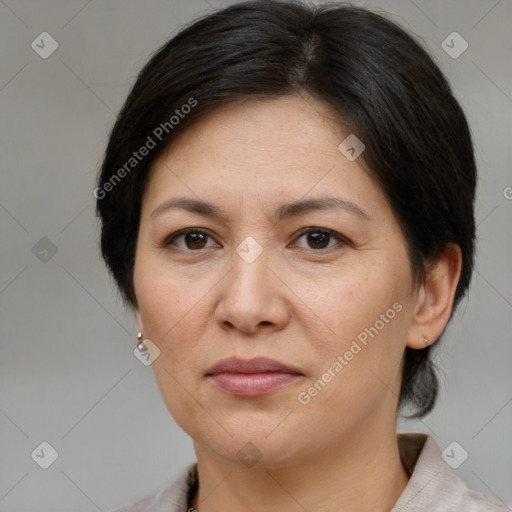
[[362, 473]]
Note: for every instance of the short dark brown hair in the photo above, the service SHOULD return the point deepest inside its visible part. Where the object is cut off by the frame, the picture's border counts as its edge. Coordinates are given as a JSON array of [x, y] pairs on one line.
[[380, 81]]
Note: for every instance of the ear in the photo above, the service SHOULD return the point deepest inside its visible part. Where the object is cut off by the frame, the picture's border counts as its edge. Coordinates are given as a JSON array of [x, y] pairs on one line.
[[138, 320], [434, 302]]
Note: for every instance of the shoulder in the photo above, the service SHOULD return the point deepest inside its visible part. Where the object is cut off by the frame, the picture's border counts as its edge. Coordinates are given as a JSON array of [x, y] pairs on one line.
[[141, 505], [474, 501], [433, 486], [173, 498]]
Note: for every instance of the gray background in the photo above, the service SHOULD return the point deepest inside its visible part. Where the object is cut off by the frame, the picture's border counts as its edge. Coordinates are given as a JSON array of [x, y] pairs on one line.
[[67, 371]]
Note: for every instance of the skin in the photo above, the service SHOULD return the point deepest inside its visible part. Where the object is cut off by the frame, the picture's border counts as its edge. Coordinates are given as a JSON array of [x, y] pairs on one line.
[[299, 302]]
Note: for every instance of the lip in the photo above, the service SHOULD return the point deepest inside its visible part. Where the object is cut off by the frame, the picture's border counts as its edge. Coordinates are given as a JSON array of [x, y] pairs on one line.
[[255, 365], [253, 377]]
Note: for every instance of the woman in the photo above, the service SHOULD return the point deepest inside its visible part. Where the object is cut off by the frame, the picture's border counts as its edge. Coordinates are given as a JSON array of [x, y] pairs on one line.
[[287, 205]]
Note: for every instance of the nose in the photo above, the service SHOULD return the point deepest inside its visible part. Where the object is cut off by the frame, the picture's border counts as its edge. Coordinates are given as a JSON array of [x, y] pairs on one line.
[[253, 297]]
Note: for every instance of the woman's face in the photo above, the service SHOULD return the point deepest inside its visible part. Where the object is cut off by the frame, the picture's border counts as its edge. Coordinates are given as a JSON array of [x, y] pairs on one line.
[[337, 308]]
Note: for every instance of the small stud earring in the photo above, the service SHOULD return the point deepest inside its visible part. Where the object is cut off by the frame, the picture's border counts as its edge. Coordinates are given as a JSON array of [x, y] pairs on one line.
[[425, 340], [141, 345]]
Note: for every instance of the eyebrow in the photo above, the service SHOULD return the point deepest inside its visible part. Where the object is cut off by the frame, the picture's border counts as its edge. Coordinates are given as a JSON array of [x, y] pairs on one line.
[[284, 211]]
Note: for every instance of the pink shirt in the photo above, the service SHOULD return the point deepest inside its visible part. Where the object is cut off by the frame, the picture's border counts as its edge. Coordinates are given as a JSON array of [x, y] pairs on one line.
[[432, 486]]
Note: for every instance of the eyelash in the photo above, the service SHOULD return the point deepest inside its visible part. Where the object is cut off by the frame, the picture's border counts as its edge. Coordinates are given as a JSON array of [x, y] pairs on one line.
[[168, 241]]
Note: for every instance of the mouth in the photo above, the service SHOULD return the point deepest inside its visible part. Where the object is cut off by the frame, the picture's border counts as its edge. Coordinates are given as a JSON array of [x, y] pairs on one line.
[[254, 377]]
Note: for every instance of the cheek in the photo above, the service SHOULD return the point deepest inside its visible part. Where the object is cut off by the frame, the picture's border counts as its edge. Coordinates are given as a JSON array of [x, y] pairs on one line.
[[167, 300], [361, 304], [173, 311], [357, 375], [172, 322], [359, 359]]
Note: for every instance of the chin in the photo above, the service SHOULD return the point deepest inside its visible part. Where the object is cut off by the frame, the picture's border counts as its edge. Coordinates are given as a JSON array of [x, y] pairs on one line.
[[256, 441]]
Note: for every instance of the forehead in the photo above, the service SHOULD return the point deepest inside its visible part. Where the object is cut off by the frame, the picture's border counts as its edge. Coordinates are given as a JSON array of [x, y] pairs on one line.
[[264, 150], [265, 126]]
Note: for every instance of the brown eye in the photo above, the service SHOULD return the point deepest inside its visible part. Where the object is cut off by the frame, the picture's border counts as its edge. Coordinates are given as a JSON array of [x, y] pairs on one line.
[[191, 239], [319, 239]]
